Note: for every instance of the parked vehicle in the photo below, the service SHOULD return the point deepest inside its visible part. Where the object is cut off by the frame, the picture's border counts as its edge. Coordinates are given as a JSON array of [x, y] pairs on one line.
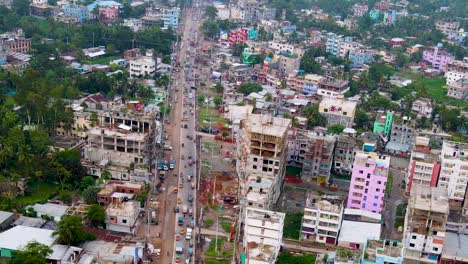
[[188, 234], [162, 175], [189, 177], [190, 198], [184, 209], [171, 164], [180, 221], [190, 212]]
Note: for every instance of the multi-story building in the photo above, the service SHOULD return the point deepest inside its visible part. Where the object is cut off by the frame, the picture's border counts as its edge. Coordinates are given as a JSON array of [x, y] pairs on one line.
[[106, 194], [170, 17], [15, 41], [383, 124], [358, 57], [122, 216], [108, 14], [296, 83], [332, 87], [446, 27], [425, 221], [288, 64], [75, 13], [422, 107], [262, 157], [382, 252], [311, 83], [438, 58], [458, 89], [338, 111], [263, 235], [454, 169], [360, 10], [238, 36], [314, 150], [348, 47], [143, 65], [240, 72], [456, 70], [368, 180], [343, 156], [403, 131], [424, 167], [322, 219], [333, 43]]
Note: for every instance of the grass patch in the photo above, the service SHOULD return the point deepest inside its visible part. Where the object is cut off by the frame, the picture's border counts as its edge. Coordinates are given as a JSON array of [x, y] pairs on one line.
[[216, 261], [226, 226], [209, 223], [207, 114], [39, 192], [104, 60], [286, 258], [292, 225], [389, 185], [400, 215], [224, 248]]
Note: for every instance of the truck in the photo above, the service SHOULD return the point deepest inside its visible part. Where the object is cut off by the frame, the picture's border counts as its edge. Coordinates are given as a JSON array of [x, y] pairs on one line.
[[184, 209], [179, 248], [171, 164], [180, 221], [188, 233]]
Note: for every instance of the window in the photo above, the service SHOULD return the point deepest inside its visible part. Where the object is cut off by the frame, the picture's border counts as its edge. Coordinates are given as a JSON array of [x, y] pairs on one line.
[[435, 249], [124, 221], [255, 159], [411, 244], [413, 236], [368, 175], [325, 110], [254, 167], [379, 182], [374, 204], [377, 190], [361, 172], [376, 197]]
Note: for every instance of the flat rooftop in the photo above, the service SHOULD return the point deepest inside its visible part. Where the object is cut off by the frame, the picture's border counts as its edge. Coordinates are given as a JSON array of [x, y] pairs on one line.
[[268, 125], [326, 203], [381, 161], [359, 232], [388, 248], [129, 208], [260, 214], [453, 246], [19, 236], [433, 199]]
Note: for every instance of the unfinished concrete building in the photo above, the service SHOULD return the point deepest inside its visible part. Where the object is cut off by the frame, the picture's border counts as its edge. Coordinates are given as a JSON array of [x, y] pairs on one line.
[[261, 159], [343, 156], [425, 224]]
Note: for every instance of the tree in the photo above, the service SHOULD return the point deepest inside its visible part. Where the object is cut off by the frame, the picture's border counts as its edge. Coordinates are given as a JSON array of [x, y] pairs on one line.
[[314, 118], [106, 175], [70, 231], [225, 134], [210, 28], [90, 195], [247, 88], [268, 97], [219, 88], [362, 120], [87, 181], [237, 49], [211, 12], [335, 129], [33, 253], [308, 63], [201, 99], [96, 215], [21, 7], [218, 100], [424, 123]]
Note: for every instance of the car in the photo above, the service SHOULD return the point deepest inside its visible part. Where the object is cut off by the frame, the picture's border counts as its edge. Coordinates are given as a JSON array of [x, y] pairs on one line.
[[176, 209], [182, 232], [191, 243], [181, 185], [179, 201], [177, 237], [175, 189], [177, 260]]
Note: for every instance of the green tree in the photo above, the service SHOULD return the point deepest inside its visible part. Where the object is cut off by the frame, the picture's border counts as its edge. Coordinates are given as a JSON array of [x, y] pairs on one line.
[[105, 175], [218, 100], [87, 181], [247, 88], [210, 28], [335, 129], [308, 63], [70, 231], [90, 195], [211, 12], [268, 97], [314, 118], [21, 7], [219, 88], [201, 99], [33, 253], [237, 49], [362, 120], [96, 215]]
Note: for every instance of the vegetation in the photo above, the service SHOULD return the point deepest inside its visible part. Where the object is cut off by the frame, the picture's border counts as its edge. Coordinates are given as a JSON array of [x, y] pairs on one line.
[[335, 129], [287, 258], [247, 88], [400, 215], [308, 63], [292, 225], [96, 215], [33, 253], [70, 231], [223, 250], [314, 118]]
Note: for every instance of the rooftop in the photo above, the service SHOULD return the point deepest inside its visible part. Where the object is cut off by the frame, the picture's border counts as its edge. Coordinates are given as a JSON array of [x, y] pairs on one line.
[[19, 236], [381, 161], [51, 209], [268, 125], [117, 132], [266, 215], [359, 232], [453, 246], [326, 203], [348, 256], [129, 208], [433, 199], [29, 221], [5, 216], [388, 248]]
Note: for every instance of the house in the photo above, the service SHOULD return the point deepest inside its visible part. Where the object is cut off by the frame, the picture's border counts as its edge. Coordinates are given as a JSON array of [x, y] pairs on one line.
[[29, 221], [170, 18], [55, 211], [382, 251], [18, 237], [343, 155], [105, 195], [15, 42], [422, 107], [75, 13], [338, 111], [383, 124], [458, 89], [456, 70], [122, 216], [437, 57], [354, 234], [94, 53], [332, 87], [6, 219], [108, 10], [424, 166], [143, 65]]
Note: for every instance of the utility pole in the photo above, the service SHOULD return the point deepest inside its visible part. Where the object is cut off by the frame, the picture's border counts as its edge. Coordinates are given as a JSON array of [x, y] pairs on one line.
[[93, 40], [216, 237]]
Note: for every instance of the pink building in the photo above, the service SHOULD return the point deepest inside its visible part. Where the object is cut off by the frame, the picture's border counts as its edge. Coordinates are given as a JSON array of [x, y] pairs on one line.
[[368, 180], [438, 57], [424, 167], [108, 14], [238, 36]]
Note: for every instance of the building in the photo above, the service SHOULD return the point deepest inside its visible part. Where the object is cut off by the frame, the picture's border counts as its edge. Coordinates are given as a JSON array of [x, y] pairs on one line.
[[359, 57], [383, 124], [311, 83], [240, 73], [314, 151], [403, 132], [106, 195], [333, 43], [332, 87], [75, 13], [424, 166], [422, 107], [18, 237], [6, 220], [122, 216], [15, 41], [142, 66], [288, 64], [338, 111], [368, 181], [425, 220], [458, 89], [170, 18], [454, 169], [262, 157], [354, 234], [263, 235], [343, 155], [55, 211], [40, 8], [447, 27], [437, 57], [454, 251], [322, 219], [360, 10], [456, 70], [382, 252], [108, 10]]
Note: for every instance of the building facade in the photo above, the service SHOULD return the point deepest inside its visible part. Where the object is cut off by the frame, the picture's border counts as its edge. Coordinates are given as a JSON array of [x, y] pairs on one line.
[[454, 169], [424, 167], [143, 65], [170, 18], [438, 58], [343, 156], [458, 89], [338, 111]]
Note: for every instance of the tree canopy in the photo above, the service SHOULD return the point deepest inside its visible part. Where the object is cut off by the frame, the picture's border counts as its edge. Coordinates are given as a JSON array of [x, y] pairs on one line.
[[70, 231], [247, 88], [33, 253]]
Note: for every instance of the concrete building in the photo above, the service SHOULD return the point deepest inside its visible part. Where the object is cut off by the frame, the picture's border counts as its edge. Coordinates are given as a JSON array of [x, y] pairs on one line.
[[123, 216], [360, 10], [15, 41], [55, 211], [170, 18], [403, 131], [311, 83], [262, 157], [106, 195], [338, 111], [75, 13], [437, 57], [354, 234], [333, 43], [322, 219], [332, 87], [446, 27], [143, 65], [343, 156], [314, 151], [382, 252], [288, 64], [454, 251], [458, 89], [18, 237], [454, 169], [424, 166], [263, 235], [456, 70], [425, 220], [6, 219], [383, 124], [422, 107], [368, 181], [240, 72], [359, 57]]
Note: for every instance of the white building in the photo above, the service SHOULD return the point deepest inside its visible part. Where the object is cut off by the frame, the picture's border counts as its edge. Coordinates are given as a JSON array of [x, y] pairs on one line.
[[322, 219], [425, 221], [55, 211], [143, 65], [454, 169], [262, 156], [457, 70], [422, 107], [263, 235], [123, 216], [338, 111]]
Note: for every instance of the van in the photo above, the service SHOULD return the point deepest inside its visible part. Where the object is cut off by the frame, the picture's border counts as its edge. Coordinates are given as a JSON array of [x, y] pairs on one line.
[[188, 233]]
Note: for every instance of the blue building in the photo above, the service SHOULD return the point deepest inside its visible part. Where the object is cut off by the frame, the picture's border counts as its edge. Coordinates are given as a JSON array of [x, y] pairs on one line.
[[76, 13], [170, 18], [360, 57], [334, 42], [382, 252]]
